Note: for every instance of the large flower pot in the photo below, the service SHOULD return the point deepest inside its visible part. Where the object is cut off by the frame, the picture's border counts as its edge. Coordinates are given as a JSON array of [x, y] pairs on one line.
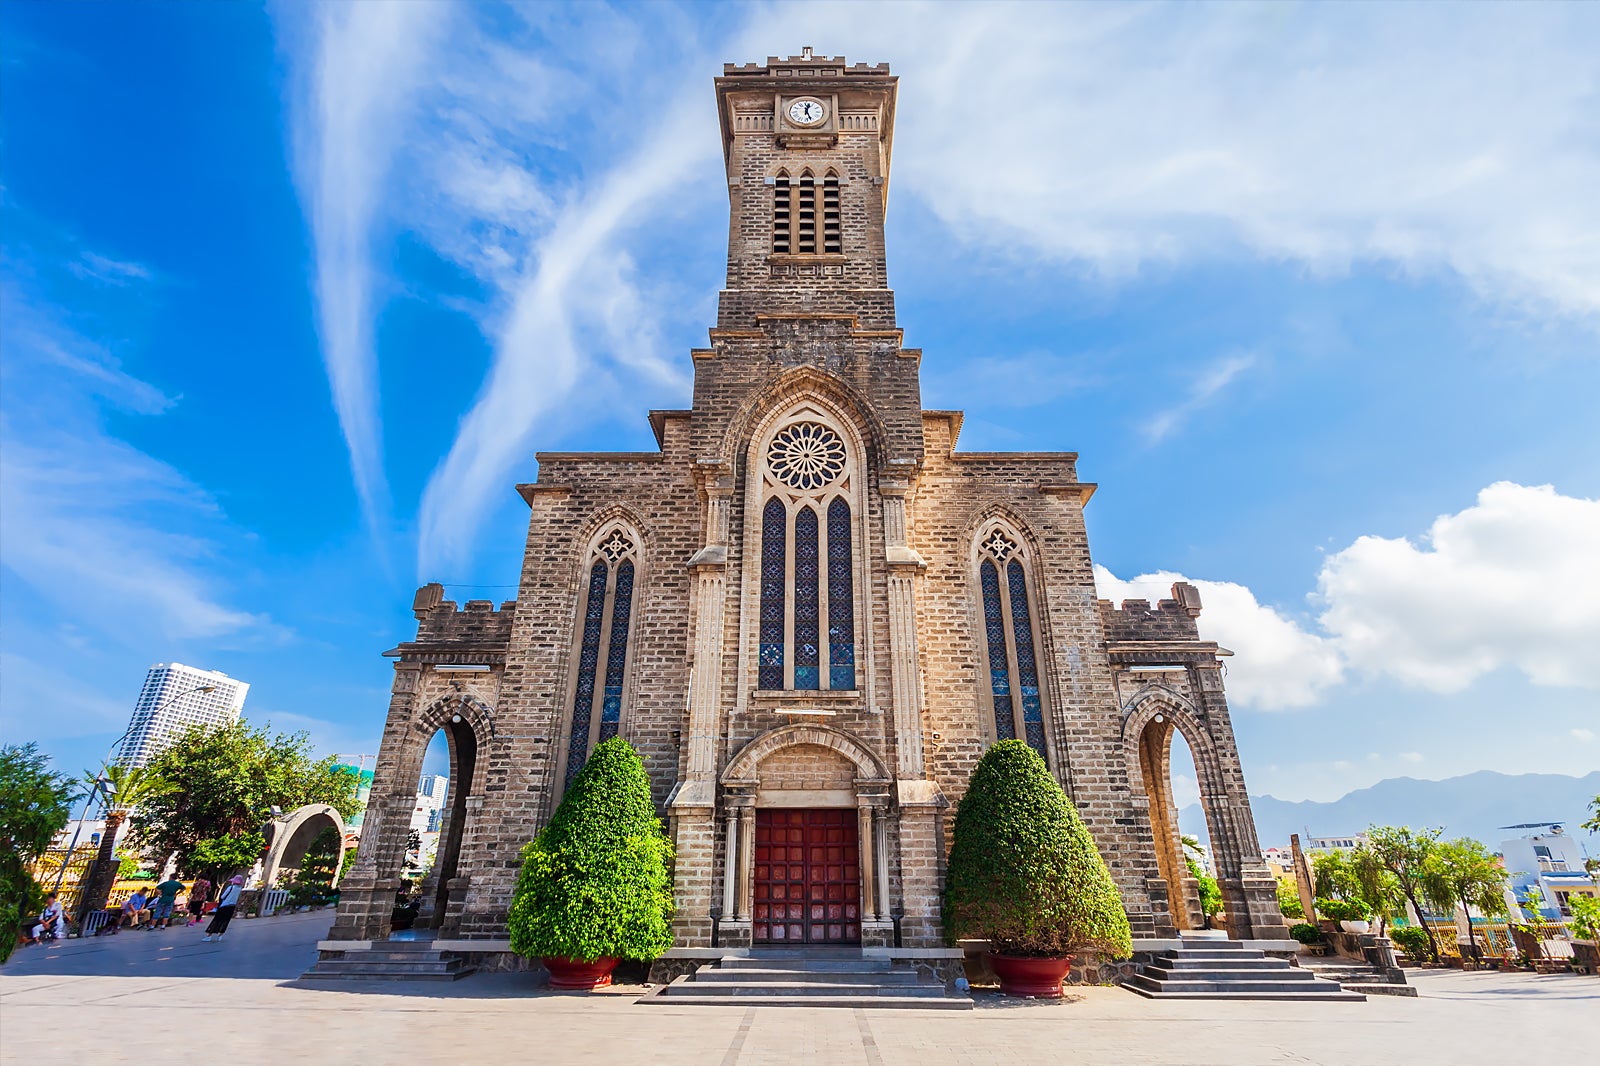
[[1356, 927], [1022, 975], [575, 973]]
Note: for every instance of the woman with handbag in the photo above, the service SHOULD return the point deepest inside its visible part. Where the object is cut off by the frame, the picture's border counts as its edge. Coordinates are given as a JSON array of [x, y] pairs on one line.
[[225, 907]]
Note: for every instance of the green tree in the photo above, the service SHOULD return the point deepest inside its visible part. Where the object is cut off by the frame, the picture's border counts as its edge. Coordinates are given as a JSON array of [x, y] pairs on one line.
[[1289, 899], [1465, 872], [595, 882], [1024, 872], [1410, 856], [1210, 891], [1592, 865], [225, 781], [1356, 877], [35, 802], [313, 882]]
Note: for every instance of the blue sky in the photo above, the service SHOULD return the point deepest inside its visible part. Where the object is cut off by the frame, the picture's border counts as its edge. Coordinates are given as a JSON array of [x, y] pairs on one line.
[[291, 295]]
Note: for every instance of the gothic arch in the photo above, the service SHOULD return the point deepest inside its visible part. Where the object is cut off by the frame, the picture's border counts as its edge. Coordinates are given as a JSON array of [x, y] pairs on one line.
[[764, 406], [742, 768]]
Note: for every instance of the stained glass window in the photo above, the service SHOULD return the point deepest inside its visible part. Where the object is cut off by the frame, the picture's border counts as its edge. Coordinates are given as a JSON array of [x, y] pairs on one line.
[[588, 662], [841, 599], [1027, 667], [994, 624], [807, 602], [774, 531], [617, 657]]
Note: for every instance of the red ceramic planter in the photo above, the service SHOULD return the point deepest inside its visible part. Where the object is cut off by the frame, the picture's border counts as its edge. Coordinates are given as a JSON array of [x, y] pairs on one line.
[[1025, 976], [575, 973]]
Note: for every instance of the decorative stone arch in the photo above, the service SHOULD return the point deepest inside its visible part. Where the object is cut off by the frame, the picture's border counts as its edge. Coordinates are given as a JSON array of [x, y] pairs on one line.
[[615, 534], [741, 795], [1152, 716], [762, 406], [811, 398], [743, 767], [1000, 536], [294, 834]]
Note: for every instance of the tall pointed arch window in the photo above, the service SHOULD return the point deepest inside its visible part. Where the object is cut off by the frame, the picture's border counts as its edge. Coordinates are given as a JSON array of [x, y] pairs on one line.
[[1014, 690], [805, 213], [599, 689], [807, 625]]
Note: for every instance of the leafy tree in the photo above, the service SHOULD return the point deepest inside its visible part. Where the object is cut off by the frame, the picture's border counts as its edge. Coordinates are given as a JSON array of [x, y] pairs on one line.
[[1289, 898], [35, 802], [313, 883], [1585, 915], [1210, 891], [1410, 856], [595, 882], [1465, 872], [1357, 877], [1592, 865], [225, 781], [1024, 873]]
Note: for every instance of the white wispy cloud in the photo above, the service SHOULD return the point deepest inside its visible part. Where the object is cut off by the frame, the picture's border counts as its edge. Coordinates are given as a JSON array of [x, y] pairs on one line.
[[118, 539], [104, 268], [1203, 392], [363, 65]]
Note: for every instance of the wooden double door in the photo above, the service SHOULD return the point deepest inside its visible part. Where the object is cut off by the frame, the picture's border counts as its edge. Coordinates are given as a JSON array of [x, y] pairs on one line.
[[806, 877]]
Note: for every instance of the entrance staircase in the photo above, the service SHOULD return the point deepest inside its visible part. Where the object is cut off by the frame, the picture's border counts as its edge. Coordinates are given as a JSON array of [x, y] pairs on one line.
[[390, 960], [1226, 969], [807, 979], [1360, 977]]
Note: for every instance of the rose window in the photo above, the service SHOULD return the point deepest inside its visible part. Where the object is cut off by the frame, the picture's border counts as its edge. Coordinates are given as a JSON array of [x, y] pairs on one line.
[[806, 456]]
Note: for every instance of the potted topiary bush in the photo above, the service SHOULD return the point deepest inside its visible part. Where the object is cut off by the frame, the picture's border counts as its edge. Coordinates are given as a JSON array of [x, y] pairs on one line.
[[595, 887], [1025, 875]]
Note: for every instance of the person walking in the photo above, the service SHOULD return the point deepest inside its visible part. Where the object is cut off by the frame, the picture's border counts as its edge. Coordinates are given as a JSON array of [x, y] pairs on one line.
[[198, 895], [225, 907]]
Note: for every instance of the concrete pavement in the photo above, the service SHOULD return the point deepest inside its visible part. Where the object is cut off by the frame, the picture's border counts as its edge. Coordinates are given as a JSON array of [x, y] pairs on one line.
[[140, 998]]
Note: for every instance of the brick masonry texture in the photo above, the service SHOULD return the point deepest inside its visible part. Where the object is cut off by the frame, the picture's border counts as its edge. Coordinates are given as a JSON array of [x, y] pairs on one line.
[[814, 333]]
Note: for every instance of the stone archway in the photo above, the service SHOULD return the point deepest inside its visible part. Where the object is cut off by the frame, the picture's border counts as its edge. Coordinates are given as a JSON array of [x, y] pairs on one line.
[[294, 835], [804, 858]]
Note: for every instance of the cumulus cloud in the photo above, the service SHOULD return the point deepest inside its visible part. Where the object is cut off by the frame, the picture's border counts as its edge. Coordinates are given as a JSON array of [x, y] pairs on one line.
[[1502, 584], [1276, 662], [1507, 582]]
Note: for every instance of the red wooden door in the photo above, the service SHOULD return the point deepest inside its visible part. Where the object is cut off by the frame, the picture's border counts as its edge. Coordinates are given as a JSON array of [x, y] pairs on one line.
[[807, 877]]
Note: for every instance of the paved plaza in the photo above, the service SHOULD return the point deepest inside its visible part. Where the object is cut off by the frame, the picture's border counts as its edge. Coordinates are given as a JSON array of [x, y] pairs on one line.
[[169, 996]]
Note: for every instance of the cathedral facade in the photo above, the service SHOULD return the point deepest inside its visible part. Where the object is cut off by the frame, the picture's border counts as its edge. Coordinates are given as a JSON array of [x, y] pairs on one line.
[[808, 610]]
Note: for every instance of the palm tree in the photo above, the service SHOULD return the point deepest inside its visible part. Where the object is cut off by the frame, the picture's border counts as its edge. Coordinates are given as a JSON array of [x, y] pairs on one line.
[[128, 787]]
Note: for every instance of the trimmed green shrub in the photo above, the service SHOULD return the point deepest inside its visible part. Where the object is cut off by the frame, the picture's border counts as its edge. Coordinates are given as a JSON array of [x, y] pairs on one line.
[[1289, 898], [1413, 940], [1024, 873], [1306, 933], [1339, 910], [595, 883]]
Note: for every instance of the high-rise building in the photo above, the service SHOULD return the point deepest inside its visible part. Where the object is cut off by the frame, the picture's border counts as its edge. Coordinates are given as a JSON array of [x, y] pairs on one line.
[[172, 701]]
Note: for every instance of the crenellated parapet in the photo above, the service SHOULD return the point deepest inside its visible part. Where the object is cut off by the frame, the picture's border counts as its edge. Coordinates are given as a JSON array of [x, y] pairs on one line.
[[479, 623], [1168, 620]]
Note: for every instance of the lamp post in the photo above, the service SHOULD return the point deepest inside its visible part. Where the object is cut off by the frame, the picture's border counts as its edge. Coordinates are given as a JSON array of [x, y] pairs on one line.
[[99, 883]]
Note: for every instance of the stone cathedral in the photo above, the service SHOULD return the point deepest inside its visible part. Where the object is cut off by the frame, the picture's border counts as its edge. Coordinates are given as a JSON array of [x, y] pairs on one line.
[[809, 611]]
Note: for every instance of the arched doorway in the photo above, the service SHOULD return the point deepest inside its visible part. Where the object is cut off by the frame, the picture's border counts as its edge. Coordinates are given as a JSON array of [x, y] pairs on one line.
[[804, 842], [438, 819], [294, 836], [1156, 744]]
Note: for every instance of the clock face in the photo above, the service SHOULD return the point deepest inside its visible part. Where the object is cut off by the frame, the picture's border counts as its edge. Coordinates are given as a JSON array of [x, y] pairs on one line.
[[806, 112]]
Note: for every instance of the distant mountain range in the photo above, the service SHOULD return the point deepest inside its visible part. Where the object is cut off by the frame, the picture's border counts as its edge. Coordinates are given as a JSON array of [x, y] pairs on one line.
[[1472, 805]]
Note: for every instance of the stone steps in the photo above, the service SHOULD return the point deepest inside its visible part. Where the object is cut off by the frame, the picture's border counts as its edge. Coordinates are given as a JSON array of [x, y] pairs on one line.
[[792, 979], [1222, 970], [1355, 977], [397, 961]]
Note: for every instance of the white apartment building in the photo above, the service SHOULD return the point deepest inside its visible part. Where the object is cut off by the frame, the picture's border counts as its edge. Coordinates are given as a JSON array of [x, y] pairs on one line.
[[172, 701], [1546, 857], [428, 813]]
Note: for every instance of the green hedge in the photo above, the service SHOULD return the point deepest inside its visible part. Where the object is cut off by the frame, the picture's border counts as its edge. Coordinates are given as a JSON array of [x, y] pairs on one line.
[[1306, 933], [1413, 940], [595, 882], [1024, 873]]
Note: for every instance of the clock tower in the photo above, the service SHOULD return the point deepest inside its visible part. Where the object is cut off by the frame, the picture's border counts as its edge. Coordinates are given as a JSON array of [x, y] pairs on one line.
[[807, 143]]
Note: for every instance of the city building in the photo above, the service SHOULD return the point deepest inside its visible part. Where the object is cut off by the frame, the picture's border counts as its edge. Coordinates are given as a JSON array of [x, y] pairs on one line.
[[1546, 857], [172, 700], [808, 610], [428, 813], [1323, 845], [363, 787]]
